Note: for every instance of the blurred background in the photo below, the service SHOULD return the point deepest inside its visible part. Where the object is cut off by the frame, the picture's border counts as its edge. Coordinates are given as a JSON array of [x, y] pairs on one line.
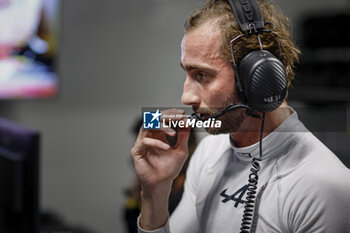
[[110, 58]]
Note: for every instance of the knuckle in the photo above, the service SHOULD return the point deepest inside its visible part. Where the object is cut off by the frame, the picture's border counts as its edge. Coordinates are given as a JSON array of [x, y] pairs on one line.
[[145, 141], [183, 153]]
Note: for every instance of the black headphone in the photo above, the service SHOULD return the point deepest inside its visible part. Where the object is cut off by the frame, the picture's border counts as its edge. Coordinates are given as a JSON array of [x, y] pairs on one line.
[[261, 85], [260, 76]]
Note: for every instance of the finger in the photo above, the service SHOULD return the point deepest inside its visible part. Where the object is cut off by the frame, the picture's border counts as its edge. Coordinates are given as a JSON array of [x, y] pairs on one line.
[[152, 132], [141, 146], [155, 143], [183, 135], [174, 114]]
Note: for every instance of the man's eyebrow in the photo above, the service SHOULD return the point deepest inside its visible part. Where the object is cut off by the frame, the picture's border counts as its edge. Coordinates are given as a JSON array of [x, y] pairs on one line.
[[194, 66]]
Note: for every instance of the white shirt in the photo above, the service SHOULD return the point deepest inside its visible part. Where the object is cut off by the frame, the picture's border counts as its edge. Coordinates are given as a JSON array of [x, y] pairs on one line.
[[306, 188]]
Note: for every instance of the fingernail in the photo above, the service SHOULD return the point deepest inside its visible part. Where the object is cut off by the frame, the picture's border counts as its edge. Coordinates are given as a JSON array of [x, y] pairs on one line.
[[180, 111], [165, 146], [170, 130]]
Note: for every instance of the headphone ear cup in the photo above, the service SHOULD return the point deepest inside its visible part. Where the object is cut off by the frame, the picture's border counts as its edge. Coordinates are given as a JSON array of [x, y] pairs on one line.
[[263, 79]]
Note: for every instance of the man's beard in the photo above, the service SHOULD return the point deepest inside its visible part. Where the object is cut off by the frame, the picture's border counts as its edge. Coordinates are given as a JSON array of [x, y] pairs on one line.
[[230, 121]]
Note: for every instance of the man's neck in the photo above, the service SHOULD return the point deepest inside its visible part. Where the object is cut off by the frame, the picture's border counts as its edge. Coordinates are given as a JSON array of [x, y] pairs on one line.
[[249, 132]]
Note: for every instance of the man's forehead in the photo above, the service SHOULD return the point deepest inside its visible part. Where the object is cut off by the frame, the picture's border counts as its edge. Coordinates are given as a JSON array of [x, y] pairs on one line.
[[202, 43], [203, 34]]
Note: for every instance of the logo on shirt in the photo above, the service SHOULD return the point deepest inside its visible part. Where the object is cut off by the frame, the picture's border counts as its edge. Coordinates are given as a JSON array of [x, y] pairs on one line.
[[151, 120], [236, 197], [246, 155]]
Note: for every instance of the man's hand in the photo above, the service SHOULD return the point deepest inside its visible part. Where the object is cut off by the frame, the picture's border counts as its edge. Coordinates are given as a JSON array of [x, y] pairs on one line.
[[157, 165]]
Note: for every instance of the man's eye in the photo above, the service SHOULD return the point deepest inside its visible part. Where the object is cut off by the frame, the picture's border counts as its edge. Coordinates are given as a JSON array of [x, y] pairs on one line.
[[200, 76]]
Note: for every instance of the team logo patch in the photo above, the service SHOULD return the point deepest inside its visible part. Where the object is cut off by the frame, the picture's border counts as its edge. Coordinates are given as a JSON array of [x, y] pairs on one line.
[[236, 197]]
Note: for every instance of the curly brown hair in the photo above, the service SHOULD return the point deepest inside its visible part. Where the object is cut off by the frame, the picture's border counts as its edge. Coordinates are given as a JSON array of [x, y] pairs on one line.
[[220, 11]]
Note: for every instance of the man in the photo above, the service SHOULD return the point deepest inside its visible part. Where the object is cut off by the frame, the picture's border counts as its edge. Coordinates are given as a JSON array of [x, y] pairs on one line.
[[303, 187]]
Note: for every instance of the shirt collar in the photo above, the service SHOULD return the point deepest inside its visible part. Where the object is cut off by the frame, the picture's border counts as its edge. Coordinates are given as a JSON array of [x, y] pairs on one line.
[[272, 143]]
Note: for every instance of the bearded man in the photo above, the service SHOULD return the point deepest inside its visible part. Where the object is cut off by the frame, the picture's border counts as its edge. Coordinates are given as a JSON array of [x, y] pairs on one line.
[[302, 186]]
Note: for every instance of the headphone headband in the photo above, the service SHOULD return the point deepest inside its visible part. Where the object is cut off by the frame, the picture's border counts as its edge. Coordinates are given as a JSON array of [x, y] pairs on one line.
[[248, 15], [261, 80]]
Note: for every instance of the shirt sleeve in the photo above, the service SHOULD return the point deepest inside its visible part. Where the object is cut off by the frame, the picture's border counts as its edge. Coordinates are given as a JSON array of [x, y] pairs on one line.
[[184, 219], [164, 229]]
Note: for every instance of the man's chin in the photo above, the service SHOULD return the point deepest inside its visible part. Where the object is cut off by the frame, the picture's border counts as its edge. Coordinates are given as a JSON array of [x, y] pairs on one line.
[[216, 131], [230, 122]]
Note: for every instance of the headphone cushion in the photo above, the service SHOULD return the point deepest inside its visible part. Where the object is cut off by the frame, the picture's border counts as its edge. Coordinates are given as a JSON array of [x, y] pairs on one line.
[[263, 80]]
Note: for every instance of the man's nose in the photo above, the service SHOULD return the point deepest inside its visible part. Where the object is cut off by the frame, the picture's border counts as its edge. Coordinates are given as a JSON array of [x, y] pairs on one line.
[[189, 94]]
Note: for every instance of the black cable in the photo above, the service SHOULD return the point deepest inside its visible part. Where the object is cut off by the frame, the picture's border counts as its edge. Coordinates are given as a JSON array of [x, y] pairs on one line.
[[261, 133], [252, 186]]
